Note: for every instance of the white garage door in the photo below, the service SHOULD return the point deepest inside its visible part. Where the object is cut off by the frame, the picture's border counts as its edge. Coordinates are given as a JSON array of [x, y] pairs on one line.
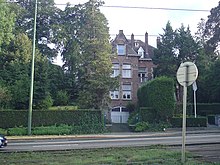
[[119, 115]]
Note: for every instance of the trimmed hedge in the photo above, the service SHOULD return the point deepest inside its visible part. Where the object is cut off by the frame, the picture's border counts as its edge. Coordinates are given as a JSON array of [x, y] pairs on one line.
[[10, 119], [202, 109], [147, 114], [158, 94], [190, 122]]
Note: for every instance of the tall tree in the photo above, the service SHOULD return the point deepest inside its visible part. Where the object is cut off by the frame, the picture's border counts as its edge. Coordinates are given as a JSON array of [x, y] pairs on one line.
[[212, 31], [48, 17], [6, 23], [86, 53], [165, 54]]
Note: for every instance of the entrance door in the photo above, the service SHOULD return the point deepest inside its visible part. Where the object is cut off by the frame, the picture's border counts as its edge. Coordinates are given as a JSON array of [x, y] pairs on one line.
[[119, 115]]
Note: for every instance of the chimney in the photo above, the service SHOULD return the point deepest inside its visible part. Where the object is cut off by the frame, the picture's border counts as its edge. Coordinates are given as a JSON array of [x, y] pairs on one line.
[[146, 45], [158, 41], [132, 40], [120, 31]]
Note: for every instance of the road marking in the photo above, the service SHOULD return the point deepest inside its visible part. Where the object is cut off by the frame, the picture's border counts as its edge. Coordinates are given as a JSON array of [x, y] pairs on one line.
[[61, 145]]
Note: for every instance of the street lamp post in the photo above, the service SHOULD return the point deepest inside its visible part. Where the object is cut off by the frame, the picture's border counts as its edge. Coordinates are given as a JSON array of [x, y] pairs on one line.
[[32, 73]]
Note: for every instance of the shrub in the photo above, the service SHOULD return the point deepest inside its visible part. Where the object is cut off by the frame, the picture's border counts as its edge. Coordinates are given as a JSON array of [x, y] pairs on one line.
[[148, 114], [158, 94], [18, 131], [190, 122], [141, 126], [133, 118], [211, 119], [62, 98]]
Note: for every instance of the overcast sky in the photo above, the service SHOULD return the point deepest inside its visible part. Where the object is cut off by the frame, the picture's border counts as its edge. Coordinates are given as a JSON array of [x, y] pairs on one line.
[[138, 21]]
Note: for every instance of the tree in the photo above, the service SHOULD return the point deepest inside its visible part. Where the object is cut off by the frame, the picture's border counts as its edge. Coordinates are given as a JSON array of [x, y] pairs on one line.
[[86, 53], [213, 83], [48, 17], [6, 24], [212, 31], [164, 56]]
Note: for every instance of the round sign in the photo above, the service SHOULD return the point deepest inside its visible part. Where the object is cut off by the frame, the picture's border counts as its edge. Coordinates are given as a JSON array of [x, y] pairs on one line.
[[187, 73]]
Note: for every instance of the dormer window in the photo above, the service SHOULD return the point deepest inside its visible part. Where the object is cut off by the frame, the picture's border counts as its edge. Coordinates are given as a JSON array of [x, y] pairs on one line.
[[141, 52], [136, 44], [121, 49]]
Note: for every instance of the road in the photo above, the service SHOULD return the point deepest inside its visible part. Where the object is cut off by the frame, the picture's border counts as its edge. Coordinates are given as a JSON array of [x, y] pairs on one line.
[[104, 142]]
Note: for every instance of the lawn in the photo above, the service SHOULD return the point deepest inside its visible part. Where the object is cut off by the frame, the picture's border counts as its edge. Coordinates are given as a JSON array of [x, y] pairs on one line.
[[130, 155]]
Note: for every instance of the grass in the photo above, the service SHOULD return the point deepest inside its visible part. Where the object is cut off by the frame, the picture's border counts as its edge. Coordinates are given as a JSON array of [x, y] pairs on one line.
[[130, 155]]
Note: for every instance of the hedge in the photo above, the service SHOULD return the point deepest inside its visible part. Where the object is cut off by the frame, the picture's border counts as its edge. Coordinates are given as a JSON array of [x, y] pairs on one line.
[[13, 118], [202, 109], [190, 122], [147, 114], [158, 94]]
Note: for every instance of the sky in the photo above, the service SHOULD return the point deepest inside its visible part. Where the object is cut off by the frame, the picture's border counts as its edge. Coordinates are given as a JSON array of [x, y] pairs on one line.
[[140, 21]]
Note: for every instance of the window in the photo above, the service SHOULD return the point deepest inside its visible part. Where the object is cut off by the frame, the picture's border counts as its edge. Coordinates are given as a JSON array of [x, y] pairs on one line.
[[126, 71], [121, 49], [141, 52], [114, 94], [142, 74], [115, 70], [126, 91]]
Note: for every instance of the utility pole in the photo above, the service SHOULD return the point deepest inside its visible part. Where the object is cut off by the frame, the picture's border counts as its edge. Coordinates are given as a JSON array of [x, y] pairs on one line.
[[32, 73]]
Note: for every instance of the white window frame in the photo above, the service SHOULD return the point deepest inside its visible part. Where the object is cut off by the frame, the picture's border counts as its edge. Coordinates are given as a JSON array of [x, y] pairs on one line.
[[126, 91], [126, 71], [114, 95], [115, 69], [121, 50]]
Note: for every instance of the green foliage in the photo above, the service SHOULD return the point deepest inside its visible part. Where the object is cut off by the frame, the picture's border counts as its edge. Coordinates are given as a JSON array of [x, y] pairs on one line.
[[205, 109], [158, 94], [3, 131], [46, 103], [5, 97], [211, 119], [141, 127], [212, 31], [10, 119], [7, 19], [133, 118], [18, 131], [71, 108], [61, 129], [52, 130], [62, 98], [148, 114], [190, 122], [176, 46]]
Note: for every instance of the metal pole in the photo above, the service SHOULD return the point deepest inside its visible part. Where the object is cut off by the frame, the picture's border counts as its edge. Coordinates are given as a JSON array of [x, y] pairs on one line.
[[32, 73], [184, 123], [195, 102], [184, 113]]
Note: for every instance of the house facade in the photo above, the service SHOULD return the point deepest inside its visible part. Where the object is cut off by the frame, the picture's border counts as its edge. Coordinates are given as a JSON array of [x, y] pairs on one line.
[[132, 64]]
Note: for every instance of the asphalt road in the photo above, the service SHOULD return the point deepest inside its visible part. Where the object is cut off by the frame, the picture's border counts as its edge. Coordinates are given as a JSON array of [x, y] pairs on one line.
[[109, 141]]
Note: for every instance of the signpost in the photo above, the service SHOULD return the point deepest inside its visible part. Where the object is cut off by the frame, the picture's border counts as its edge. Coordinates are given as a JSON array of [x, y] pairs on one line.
[[194, 92], [186, 75]]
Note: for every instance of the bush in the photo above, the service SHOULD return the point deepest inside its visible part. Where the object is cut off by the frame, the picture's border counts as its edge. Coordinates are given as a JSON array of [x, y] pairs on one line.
[[133, 118], [148, 114], [62, 98], [211, 119], [190, 122], [3, 131], [158, 94], [141, 127], [17, 131]]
